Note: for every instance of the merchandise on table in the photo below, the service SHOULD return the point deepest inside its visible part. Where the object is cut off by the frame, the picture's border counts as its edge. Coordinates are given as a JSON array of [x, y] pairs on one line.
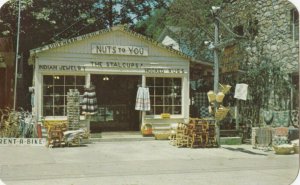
[[73, 109]]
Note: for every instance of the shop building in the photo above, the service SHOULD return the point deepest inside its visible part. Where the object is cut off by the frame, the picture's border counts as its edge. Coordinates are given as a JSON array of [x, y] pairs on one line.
[[116, 61]]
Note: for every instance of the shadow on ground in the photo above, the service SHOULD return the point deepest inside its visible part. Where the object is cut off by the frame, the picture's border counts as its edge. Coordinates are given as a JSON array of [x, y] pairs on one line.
[[243, 150]]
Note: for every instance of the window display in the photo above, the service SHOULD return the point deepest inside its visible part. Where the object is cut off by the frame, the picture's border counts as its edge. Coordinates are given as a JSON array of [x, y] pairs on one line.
[[55, 89], [165, 95]]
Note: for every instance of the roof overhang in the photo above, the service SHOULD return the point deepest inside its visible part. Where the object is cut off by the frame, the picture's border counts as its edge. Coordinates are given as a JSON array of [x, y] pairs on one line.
[[123, 28]]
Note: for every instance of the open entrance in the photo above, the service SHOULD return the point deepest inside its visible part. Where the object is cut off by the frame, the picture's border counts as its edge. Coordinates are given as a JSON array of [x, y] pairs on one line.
[[116, 95]]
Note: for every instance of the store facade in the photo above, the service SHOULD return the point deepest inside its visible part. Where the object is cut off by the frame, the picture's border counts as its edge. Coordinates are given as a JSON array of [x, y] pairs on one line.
[[116, 61]]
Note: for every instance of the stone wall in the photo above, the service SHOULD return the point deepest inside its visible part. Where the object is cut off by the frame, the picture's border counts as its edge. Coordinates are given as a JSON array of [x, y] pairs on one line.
[[273, 37]]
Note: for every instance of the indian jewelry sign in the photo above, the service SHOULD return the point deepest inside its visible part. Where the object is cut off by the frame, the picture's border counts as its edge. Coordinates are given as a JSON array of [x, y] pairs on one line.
[[119, 50], [113, 65]]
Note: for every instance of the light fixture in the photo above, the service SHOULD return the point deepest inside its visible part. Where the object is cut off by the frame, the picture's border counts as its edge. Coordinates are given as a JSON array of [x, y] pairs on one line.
[[207, 42], [215, 9], [105, 78]]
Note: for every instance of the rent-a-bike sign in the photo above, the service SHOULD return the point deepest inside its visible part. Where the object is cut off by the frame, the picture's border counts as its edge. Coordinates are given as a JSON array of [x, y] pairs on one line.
[[22, 141]]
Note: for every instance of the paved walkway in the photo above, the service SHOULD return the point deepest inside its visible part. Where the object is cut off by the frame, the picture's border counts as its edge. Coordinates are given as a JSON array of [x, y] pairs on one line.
[[145, 163]]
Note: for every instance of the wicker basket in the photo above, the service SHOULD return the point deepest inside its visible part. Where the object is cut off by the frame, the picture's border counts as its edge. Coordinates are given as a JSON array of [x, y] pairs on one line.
[[211, 96], [165, 115], [224, 88], [146, 130], [220, 96], [284, 149], [221, 113]]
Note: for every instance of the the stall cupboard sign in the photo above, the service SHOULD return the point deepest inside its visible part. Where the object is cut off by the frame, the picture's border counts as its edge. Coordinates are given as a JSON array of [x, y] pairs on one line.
[[119, 50]]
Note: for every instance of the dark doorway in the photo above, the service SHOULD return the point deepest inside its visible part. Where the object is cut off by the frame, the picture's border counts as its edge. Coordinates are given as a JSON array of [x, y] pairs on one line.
[[116, 96]]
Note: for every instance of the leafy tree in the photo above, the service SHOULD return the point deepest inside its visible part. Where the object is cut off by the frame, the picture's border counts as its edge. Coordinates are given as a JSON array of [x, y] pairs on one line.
[[153, 26], [47, 21], [268, 81], [269, 87]]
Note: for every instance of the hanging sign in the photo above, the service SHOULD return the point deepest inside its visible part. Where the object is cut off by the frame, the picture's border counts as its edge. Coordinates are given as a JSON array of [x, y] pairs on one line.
[[119, 50], [230, 59]]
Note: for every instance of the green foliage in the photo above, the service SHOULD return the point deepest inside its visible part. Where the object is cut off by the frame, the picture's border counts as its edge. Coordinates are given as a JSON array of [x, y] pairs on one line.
[[153, 26], [194, 19], [269, 87], [46, 21]]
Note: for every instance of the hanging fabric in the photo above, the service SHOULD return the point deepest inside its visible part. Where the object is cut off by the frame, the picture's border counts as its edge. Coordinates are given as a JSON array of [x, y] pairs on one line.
[[89, 103], [142, 99], [241, 91]]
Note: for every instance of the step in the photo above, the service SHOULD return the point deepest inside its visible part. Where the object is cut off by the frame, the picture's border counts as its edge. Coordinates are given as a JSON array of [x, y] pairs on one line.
[[230, 140], [119, 137]]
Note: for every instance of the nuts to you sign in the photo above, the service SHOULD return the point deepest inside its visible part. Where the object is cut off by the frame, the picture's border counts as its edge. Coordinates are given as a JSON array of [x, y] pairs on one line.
[[119, 50]]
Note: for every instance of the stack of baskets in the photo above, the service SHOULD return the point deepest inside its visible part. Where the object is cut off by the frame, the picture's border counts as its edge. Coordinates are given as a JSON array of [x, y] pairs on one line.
[[55, 133], [198, 133], [73, 109], [182, 139]]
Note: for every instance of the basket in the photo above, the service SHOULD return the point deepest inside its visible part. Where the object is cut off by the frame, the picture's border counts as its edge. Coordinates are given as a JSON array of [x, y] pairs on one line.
[[284, 149], [165, 115], [220, 96], [146, 130], [211, 96], [224, 88], [53, 123], [221, 113]]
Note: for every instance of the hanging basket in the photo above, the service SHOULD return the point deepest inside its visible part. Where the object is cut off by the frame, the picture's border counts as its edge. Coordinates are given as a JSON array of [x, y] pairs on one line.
[[221, 113], [220, 96], [224, 88], [211, 96]]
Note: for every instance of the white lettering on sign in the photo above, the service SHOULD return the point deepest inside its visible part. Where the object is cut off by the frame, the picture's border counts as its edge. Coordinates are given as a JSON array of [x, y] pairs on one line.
[[117, 65], [61, 68], [159, 70], [23, 141], [122, 66], [119, 50]]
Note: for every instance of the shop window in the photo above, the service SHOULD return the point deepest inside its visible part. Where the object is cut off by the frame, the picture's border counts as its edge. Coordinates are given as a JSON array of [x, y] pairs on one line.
[[295, 24], [55, 89], [239, 30], [165, 95]]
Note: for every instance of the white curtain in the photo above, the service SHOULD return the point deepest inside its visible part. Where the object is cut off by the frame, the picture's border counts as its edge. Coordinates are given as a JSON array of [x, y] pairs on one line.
[[142, 99]]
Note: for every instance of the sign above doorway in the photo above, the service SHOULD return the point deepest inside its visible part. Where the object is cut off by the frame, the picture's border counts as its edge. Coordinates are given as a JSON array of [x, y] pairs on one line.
[[119, 50]]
